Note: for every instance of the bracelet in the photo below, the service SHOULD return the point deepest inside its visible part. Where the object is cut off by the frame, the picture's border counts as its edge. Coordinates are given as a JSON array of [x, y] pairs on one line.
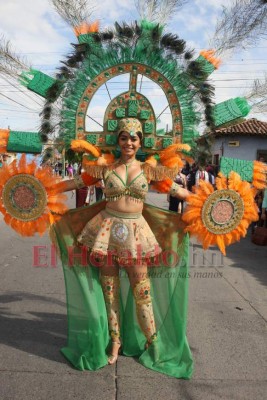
[[174, 190], [78, 180]]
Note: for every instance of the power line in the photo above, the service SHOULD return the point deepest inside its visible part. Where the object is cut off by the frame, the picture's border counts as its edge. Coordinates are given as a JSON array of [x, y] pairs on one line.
[[24, 92], [18, 111], [14, 101]]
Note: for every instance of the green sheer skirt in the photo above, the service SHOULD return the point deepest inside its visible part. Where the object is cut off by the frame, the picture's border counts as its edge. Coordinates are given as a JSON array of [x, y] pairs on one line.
[[88, 336]]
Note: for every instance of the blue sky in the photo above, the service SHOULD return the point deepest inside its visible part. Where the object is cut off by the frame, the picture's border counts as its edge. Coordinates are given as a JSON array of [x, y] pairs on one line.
[[39, 34]]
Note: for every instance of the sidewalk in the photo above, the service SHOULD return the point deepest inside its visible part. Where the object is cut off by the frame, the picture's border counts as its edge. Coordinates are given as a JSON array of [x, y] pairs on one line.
[[226, 330]]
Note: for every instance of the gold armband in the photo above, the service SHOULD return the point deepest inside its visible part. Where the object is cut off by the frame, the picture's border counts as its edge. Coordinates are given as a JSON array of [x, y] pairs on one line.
[[78, 181], [174, 190]]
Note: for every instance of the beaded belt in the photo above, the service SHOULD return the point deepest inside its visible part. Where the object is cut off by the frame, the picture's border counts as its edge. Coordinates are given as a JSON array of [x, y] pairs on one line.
[[122, 215]]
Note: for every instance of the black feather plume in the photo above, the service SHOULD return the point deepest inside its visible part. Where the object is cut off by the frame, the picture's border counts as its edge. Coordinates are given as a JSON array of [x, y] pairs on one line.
[[54, 91], [107, 35], [45, 127], [137, 29], [188, 54], [44, 138]]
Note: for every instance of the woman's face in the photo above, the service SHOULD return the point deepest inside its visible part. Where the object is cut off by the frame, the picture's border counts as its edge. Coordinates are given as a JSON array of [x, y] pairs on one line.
[[129, 145]]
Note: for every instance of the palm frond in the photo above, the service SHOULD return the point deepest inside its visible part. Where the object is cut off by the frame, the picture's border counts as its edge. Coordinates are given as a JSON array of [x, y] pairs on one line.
[[241, 25], [74, 12], [257, 95], [11, 64], [167, 9], [158, 10]]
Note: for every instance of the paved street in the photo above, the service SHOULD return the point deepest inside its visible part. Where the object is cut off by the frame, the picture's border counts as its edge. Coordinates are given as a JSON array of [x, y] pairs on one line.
[[226, 330]]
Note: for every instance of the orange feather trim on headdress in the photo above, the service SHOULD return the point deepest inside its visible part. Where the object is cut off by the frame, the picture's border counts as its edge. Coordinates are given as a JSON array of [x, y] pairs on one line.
[[152, 161], [82, 146], [85, 28], [174, 162], [173, 150], [209, 55], [172, 156], [106, 159]]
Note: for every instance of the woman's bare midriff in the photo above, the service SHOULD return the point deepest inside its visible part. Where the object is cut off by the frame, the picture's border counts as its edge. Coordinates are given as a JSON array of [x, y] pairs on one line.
[[126, 204]]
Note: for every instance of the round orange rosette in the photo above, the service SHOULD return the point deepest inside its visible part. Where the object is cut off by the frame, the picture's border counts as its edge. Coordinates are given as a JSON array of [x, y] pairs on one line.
[[221, 217]]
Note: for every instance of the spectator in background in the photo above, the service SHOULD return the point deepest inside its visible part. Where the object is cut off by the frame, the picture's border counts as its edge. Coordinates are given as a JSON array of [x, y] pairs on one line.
[[176, 204], [99, 190], [70, 171], [263, 215], [201, 175], [60, 168], [75, 168], [210, 171], [191, 177], [56, 169], [81, 194], [186, 169]]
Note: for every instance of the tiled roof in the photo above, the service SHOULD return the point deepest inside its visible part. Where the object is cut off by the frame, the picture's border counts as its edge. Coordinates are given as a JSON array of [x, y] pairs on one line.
[[248, 127]]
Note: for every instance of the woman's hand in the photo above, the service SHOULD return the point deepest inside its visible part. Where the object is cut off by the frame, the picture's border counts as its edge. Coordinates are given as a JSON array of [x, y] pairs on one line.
[[181, 193]]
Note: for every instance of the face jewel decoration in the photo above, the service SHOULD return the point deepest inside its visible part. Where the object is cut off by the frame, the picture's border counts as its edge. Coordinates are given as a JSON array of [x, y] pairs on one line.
[[28, 199], [120, 232], [221, 217]]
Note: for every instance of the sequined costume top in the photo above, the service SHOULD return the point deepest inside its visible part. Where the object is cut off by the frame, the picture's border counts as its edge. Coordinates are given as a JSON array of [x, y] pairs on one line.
[[116, 188], [137, 188]]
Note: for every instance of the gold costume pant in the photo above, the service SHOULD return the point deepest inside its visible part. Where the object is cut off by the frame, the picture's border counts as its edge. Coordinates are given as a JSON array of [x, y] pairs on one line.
[[144, 308], [111, 291]]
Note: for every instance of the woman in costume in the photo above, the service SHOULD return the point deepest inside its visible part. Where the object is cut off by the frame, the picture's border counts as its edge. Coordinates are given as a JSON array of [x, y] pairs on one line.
[[114, 231], [118, 237], [121, 227]]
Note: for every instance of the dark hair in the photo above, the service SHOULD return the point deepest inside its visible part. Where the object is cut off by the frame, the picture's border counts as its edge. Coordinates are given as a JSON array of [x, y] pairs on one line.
[[139, 134]]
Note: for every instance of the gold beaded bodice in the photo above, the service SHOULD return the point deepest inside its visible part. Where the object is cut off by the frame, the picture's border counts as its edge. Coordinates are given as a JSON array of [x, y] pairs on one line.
[[137, 188], [116, 188]]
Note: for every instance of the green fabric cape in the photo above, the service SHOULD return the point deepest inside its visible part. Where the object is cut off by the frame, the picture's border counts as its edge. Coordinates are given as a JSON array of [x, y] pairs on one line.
[[88, 336]]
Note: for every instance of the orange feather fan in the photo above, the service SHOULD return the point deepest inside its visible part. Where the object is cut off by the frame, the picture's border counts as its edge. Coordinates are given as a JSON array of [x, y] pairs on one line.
[[195, 202], [259, 175], [54, 201]]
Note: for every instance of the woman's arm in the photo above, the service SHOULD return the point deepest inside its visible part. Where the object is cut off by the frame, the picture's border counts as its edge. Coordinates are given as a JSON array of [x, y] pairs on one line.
[[184, 181], [179, 192], [78, 182], [170, 187]]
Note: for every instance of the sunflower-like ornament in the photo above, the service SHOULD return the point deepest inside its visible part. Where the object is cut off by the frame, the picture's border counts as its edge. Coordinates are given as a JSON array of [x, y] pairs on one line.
[[30, 197], [221, 216]]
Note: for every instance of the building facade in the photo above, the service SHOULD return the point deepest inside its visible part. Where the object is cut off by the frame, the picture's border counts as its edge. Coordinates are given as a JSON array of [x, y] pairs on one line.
[[246, 140]]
